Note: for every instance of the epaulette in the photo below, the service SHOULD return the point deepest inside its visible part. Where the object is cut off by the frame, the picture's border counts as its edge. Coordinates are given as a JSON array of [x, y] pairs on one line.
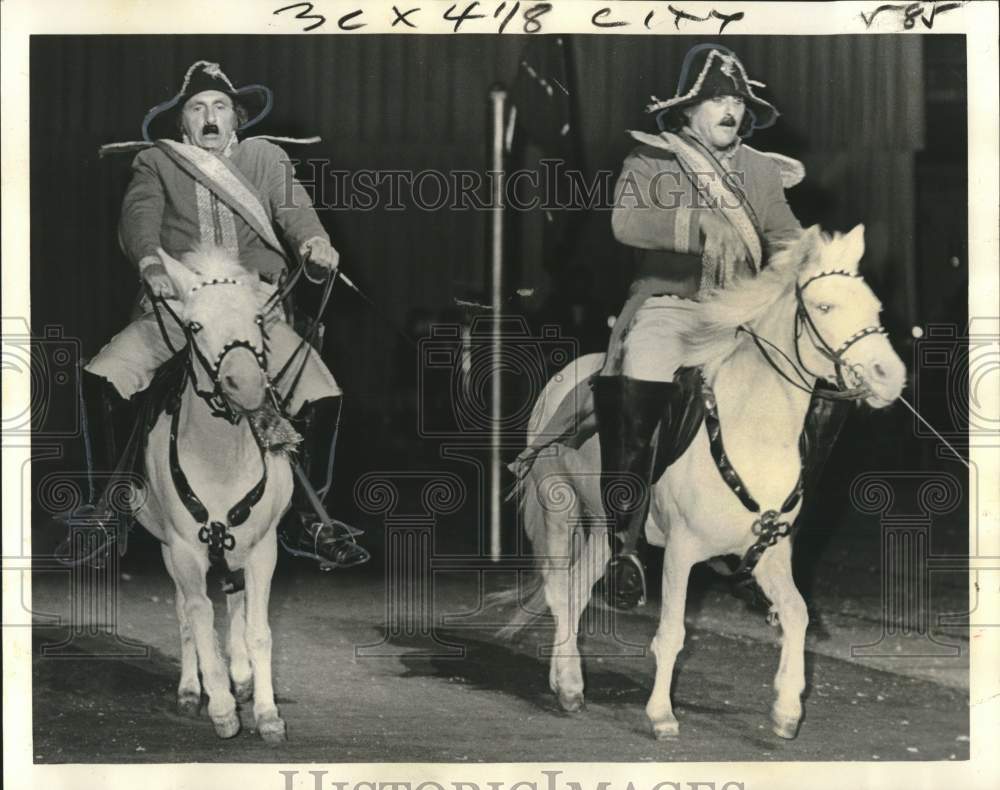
[[792, 170]]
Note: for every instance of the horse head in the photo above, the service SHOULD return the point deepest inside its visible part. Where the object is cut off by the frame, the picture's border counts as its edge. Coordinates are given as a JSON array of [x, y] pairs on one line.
[[839, 334], [219, 308]]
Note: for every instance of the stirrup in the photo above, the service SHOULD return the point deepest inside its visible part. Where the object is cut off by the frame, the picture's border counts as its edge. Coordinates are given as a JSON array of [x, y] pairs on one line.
[[339, 550], [613, 594]]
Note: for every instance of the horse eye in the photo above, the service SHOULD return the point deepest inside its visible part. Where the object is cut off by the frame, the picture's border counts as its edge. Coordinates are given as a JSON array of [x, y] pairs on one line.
[[194, 326], [825, 307]]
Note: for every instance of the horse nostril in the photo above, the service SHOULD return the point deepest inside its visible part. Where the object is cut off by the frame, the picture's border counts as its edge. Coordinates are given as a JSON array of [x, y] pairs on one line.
[[879, 371], [230, 382]]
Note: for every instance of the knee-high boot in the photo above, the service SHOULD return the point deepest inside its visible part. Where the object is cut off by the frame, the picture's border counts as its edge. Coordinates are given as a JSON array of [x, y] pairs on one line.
[[108, 420], [309, 531], [628, 411]]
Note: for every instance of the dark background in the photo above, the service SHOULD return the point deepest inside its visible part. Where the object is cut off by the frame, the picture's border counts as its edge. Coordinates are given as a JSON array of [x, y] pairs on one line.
[[879, 122]]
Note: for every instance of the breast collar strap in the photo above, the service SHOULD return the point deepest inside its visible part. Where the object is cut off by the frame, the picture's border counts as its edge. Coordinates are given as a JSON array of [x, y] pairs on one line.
[[216, 533], [768, 526]]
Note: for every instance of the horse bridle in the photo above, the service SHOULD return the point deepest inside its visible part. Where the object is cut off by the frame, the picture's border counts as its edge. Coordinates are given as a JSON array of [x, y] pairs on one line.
[[804, 320], [804, 324], [214, 398], [215, 534]]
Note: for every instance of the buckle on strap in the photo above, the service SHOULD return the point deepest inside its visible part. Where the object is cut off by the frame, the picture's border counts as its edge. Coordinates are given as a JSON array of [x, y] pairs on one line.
[[217, 536], [768, 529]]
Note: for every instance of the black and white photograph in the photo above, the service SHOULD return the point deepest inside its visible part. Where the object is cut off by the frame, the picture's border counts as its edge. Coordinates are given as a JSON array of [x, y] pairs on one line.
[[500, 394]]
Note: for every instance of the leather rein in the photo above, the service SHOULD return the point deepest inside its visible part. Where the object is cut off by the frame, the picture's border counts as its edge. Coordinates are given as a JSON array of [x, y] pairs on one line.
[[804, 325]]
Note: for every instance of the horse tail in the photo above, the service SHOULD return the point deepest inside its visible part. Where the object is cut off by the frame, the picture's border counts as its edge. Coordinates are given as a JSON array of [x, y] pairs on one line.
[[530, 603], [528, 594]]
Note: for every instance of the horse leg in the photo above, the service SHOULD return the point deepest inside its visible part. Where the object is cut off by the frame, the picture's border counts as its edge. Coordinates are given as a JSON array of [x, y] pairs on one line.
[[774, 575], [567, 591], [239, 661], [189, 688], [259, 570], [190, 568], [679, 556]]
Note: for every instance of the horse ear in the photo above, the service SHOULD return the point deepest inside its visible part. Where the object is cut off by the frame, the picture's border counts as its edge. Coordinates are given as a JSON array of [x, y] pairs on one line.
[[854, 245], [807, 247], [182, 277]]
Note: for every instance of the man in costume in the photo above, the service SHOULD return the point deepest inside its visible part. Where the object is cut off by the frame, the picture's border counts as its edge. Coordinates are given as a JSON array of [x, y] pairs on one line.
[[702, 210], [212, 188]]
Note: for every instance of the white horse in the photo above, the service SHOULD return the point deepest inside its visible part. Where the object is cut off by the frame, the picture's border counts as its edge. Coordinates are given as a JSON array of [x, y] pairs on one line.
[[212, 490], [812, 305]]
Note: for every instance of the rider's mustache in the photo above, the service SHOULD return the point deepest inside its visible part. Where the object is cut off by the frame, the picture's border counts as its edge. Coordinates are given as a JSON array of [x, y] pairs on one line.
[[729, 120], [210, 128]]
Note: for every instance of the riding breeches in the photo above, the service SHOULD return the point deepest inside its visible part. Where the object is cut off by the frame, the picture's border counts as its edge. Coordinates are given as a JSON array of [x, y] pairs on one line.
[[652, 348], [131, 357]]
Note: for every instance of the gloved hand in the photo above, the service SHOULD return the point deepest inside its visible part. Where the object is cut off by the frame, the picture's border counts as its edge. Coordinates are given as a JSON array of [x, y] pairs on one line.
[[320, 254], [156, 277], [722, 244]]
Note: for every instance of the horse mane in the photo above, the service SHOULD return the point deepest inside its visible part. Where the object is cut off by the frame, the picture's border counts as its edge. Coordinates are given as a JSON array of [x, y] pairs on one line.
[[712, 336], [212, 262]]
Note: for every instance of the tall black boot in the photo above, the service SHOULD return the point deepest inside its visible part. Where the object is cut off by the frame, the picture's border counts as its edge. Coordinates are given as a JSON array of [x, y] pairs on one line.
[[309, 531], [108, 420], [628, 411]]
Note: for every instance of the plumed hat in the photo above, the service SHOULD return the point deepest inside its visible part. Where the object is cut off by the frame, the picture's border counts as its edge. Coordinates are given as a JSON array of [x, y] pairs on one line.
[[712, 70], [161, 121]]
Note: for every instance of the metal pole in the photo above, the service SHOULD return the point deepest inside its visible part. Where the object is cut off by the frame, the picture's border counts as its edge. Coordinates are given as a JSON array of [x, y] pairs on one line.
[[498, 99]]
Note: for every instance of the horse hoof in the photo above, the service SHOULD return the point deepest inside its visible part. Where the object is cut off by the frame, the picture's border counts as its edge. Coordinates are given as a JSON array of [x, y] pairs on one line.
[[785, 726], [272, 729], [243, 692], [666, 730], [571, 703], [226, 726], [189, 705]]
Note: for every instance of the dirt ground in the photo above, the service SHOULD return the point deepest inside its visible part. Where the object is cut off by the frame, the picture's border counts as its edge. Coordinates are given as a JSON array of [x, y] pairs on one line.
[[461, 694]]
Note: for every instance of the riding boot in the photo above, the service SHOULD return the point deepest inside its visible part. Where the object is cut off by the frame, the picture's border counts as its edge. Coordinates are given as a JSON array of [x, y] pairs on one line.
[[108, 420], [628, 411], [309, 531]]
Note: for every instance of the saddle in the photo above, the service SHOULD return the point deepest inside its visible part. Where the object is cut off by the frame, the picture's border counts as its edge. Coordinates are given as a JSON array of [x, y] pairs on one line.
[[684, 412], [157, 398]]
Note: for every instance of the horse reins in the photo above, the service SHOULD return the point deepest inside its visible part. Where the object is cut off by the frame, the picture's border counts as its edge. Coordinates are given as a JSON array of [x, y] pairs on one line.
[[803, 320]]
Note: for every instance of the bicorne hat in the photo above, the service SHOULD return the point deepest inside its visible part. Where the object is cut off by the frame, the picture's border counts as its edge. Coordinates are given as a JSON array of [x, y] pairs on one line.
[[711, 70], [161, 121]]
